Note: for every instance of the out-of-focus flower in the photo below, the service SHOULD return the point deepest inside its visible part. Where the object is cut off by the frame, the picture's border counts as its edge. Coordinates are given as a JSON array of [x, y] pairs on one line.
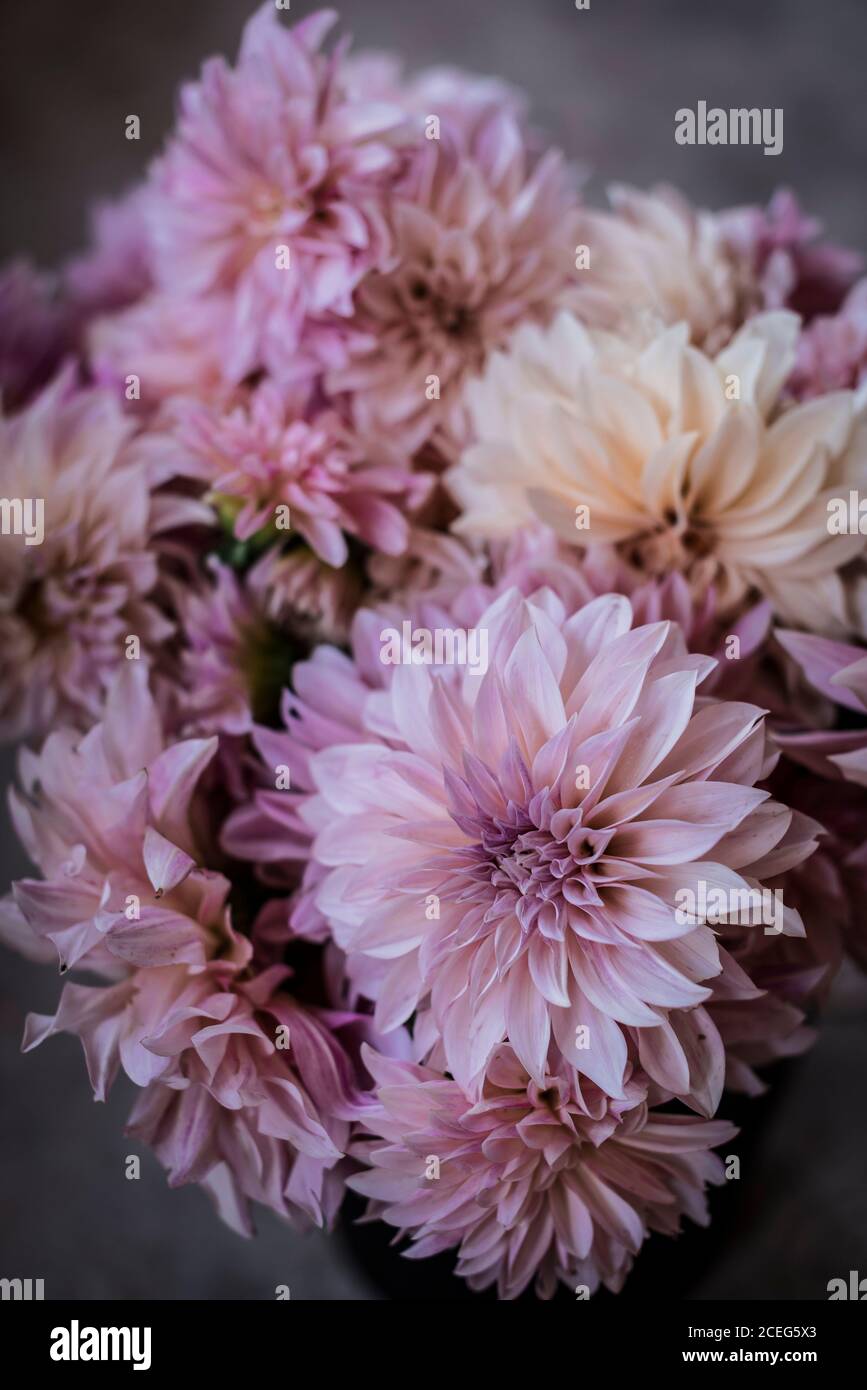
[[115, 271], [655, 261], [680, 460], [535, 1180], [268, 452], [303, 595], [783, 262], [244, 1090], [172, 345], [70, 599], [508, 850], [230, 665], [35, 332], [270, 191], [484, 239], [832, 350], [839, 672]]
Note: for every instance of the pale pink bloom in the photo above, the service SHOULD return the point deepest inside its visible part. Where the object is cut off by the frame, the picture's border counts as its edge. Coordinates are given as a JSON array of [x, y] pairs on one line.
[[110, 820], [682, 461], [274, 154], [244, 1091], [239, 637], [506, 850], [484, 238], [170, 345], [226, 653], [782, 261], [653, 261], [115, 271], [69, 602], [459, 95], [832, 350], [270, 452], [303, 595], [839, 672], [536, 1180]]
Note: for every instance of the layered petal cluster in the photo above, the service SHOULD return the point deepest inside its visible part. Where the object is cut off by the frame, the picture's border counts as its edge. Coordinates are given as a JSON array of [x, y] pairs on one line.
[[76, 586], [483, 239], [655, 261], [549, 1181], [832, 352], [784, 262], [682, 461], [244, 1090], [273, 451], [108, 820], [270, 192], [508, 852], [839, 672]]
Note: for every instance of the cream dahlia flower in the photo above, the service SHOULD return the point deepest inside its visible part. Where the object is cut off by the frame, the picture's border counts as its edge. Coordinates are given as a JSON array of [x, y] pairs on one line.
[[655, 259], [682, 461]]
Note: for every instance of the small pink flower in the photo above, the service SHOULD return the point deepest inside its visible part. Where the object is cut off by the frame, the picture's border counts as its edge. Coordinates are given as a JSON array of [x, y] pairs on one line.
[[535, 1179], [271, 154], [271, 453], [115, 271], [784, 263], [832, 350], [244, 1091]]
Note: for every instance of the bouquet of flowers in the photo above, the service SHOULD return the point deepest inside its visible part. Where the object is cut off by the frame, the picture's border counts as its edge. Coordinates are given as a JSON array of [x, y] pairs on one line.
[[432, 608]]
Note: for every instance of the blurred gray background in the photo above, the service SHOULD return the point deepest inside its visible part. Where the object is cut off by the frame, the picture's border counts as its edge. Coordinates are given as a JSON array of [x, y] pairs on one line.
[[605, 84]]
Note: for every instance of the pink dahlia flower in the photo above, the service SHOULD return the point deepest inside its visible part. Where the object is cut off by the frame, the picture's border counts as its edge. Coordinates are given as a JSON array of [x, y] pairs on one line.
[[109, 819], [273, 157], [77, 587], [783, 262], [172, 345], [839, 672], [533, 1179], [506, 850], [269, 453], [232, 663], [484, 239], [304, 596], [244, 1091], [115, 271], [832, 351]]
